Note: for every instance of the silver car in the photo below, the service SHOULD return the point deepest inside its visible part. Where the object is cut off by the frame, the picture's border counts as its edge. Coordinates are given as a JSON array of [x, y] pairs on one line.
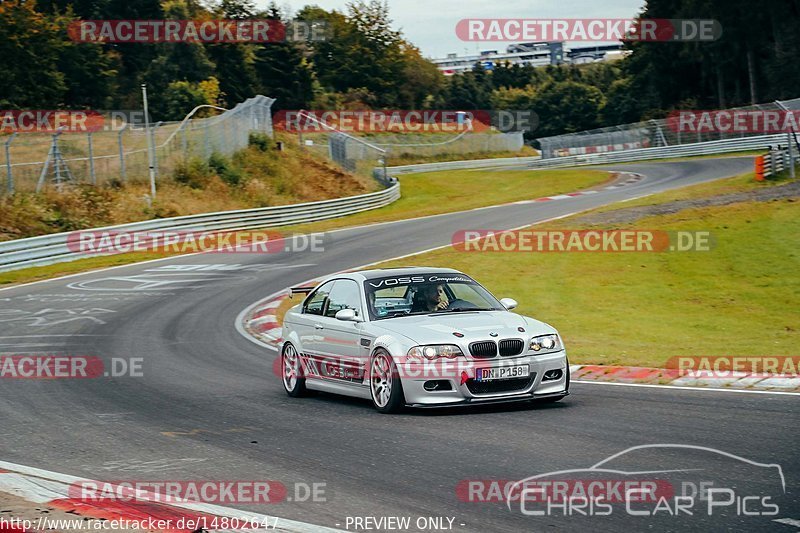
[[418, 337]]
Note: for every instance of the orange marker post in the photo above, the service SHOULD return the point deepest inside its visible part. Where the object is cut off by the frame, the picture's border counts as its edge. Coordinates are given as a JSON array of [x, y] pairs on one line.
[[760, 168]]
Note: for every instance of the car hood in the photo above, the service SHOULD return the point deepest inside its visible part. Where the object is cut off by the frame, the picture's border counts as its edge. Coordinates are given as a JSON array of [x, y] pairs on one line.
[[439, 328]]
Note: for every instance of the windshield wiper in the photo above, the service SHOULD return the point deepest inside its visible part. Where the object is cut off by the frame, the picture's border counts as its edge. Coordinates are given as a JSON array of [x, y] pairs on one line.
[[396, 312]]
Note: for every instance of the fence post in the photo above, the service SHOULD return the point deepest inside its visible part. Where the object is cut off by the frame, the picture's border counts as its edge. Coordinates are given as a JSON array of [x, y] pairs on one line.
[[122, 153], [791, 154], [10, 177], [92, 175], [185, 141], [155, 148]]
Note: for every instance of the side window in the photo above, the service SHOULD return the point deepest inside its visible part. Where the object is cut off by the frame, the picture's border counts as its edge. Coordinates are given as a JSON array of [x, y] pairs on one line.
[[344, 295], [315, 305]]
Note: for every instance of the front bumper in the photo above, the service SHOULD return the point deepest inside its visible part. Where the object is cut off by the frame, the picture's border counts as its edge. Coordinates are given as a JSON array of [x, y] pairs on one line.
[[461, 391]]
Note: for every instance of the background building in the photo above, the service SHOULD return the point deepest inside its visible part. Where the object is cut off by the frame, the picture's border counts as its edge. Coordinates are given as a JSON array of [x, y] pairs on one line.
[[535, 54]]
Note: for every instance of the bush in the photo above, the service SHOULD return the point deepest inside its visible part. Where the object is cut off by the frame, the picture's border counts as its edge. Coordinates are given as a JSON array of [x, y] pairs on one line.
[[223, 168], [260, 141], [194, 173]]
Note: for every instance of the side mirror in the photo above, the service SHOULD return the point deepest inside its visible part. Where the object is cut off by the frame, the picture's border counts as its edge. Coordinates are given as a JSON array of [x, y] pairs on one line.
[[508, 303], [347, 315]]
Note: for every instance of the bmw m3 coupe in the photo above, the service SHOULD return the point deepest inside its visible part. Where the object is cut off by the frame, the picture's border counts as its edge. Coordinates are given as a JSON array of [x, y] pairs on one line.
[[418, 337]]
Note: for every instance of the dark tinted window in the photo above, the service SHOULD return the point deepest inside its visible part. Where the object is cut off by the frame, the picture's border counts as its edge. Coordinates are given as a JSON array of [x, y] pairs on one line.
[[315, 305], [425, 293]]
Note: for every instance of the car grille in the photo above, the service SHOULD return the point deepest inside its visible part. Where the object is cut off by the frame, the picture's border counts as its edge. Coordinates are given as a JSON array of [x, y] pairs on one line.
[[500, 385], [483, 349], [509, 347]]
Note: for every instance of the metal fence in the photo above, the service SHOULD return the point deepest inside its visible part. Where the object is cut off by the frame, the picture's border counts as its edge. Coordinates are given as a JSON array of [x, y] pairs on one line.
[[355, 153], [649, 134], [468, 142], [33, 161], [351, 153]]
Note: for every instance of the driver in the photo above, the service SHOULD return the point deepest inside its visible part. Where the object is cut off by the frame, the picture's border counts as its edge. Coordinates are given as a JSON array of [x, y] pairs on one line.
[[431, 298]]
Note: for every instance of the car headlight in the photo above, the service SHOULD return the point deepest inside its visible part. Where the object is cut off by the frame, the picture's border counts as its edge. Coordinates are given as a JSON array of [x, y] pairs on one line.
[[435, 351], [546, 343]]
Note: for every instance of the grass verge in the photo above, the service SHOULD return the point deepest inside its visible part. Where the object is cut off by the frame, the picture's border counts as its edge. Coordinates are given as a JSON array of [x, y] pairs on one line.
[[423, 194], [434, 193], [740, 298]]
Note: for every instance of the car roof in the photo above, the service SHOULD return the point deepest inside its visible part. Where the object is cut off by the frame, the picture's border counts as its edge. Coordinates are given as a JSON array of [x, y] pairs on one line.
[[402, 271]]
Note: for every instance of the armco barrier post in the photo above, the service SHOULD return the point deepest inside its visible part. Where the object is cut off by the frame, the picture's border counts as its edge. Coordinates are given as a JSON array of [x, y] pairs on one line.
[[9, 175], [760, 168]]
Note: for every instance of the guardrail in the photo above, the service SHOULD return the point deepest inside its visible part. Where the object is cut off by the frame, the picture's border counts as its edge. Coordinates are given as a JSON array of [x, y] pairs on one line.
[[49, 249], [459, 165], [774, 162], [760, 142]]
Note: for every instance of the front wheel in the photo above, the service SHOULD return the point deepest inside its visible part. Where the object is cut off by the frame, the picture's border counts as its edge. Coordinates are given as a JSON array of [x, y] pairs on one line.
[[385, 387], [291, 370]]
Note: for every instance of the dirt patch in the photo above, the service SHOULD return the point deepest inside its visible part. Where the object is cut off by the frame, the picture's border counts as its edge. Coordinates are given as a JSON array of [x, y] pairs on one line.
[[632, 214]]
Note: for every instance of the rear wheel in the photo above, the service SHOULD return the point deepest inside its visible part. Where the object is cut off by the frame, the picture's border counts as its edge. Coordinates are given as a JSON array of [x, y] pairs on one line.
[[385, 387], [292, 376]]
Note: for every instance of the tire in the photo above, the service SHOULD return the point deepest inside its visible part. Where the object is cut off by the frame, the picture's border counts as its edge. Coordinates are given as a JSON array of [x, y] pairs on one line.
[[385, 386], [291, 372]]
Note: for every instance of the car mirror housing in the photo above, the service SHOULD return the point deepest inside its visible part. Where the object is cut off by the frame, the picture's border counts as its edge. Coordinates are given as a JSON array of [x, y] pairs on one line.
[[347, 315], [509, 303]]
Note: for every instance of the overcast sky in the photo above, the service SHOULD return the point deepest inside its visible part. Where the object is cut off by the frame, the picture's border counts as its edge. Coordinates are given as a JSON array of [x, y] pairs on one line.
[[430, 24]]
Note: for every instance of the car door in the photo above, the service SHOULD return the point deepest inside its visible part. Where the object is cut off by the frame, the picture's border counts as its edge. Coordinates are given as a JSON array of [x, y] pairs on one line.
[[340, 344], [308, 324]]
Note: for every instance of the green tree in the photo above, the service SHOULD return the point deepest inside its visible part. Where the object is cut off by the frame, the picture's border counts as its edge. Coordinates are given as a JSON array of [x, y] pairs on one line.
[[180, 97], [422, 81], [30, 44], [567, 106]]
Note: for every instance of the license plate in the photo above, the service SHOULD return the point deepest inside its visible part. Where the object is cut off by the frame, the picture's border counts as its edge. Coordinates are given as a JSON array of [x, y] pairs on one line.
[[502, 372]]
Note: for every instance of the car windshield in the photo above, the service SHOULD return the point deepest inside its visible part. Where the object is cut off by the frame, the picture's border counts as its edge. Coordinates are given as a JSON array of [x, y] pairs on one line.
[[395, 296]]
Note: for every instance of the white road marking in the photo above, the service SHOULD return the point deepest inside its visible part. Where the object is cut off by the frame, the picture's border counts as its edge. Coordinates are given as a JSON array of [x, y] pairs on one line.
[[788, 521], [698, 389]]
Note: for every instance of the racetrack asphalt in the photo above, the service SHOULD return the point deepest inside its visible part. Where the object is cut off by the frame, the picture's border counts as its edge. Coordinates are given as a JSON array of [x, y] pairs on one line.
[[208, 406]]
